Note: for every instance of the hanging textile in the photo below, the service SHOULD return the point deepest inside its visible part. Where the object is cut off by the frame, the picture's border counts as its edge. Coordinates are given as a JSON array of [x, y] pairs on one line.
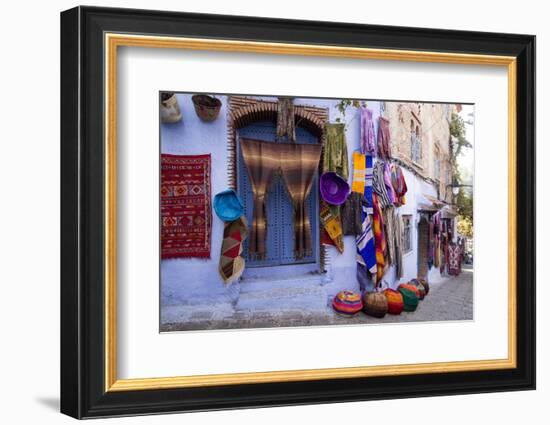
[[390, 235], [384, 139], [399, 243], [399, 185], [378, 185], [185, 206], [368, 144], [366, 244], [431, 244], [437, 238], [359, 172], [352, 210], [335, 150], [297, 164], [388, 182], [379, 240], [231, 262], [260, 171], [351, 214], [285, 119], [368, 183], [454, 265], [332, 226]]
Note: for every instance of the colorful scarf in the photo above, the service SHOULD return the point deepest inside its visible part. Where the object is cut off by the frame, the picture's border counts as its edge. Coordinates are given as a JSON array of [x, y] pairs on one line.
[[384, 139], [332, 226], [335, 150], [231, 262], [379, 186], [367, 132], [359, 171], [388, 182], [366, 245], [297, 163], [368, 183], [379, 240], [399, 185]]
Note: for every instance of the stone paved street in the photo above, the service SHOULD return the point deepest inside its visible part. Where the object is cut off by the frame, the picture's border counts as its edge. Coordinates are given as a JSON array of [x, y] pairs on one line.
[[449, 299]]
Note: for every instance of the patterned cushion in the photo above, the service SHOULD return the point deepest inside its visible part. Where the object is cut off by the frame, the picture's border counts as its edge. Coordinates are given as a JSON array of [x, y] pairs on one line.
[[410, 297], [375, 304], [347, 303], [395, 301]]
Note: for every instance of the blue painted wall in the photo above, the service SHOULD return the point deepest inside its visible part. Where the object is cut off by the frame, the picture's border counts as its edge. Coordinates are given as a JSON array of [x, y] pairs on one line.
[[187, 282]]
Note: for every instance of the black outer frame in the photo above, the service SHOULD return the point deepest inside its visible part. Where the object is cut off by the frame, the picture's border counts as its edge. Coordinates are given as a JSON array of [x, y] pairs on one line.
[[82, 208]]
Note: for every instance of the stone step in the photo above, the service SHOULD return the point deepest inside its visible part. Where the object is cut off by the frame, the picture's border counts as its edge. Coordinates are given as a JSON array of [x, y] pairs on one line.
[[298, 294]]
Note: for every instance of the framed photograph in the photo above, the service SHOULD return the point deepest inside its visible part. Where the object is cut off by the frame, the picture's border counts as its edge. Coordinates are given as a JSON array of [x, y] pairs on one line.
[[261, 212]]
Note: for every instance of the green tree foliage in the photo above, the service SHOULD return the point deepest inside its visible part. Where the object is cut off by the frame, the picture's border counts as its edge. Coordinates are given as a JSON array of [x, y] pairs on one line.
[[464, 199], [458, 134], [343, 105]]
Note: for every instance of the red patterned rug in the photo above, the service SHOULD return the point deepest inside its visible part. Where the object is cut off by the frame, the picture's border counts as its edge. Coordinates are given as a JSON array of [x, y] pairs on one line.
[[185, 206]]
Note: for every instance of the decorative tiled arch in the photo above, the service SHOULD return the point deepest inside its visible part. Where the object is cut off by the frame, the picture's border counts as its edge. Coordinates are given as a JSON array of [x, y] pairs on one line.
[[243, 111]]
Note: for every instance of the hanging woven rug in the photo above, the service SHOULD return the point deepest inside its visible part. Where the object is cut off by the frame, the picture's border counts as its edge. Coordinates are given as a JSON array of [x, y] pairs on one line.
[[185, 206]]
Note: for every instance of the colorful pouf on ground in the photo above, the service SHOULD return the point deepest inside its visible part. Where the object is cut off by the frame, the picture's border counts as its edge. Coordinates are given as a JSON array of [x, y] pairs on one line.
[[375, 304], [410, 296], [421, 292], [425, 284], [347, 303], [395, 301], [420, 288]]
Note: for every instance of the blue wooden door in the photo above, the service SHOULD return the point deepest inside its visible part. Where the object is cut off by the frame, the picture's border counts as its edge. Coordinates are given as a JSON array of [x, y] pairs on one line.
[[280, 216]]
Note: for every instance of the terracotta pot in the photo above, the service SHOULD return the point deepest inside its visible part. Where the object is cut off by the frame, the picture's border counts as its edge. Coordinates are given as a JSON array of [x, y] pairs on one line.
[[169, 108], [207, 107]]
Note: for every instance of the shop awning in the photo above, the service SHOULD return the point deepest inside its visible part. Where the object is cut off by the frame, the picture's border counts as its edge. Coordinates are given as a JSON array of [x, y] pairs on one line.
[[429, 203]]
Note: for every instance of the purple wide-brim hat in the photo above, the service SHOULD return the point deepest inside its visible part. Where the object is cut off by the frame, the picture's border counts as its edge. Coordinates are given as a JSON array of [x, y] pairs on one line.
[[334, 189]]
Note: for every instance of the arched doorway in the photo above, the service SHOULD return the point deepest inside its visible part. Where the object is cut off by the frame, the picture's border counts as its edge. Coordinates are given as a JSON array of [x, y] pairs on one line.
[[279, 210]]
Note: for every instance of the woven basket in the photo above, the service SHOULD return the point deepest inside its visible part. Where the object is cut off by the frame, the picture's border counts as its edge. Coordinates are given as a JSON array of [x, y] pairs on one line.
[[395, 301], [375, 304], [206, 107]]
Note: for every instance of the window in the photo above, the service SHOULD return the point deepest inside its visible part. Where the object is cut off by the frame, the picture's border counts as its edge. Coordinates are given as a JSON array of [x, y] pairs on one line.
[[416, 144], [407, 233]]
